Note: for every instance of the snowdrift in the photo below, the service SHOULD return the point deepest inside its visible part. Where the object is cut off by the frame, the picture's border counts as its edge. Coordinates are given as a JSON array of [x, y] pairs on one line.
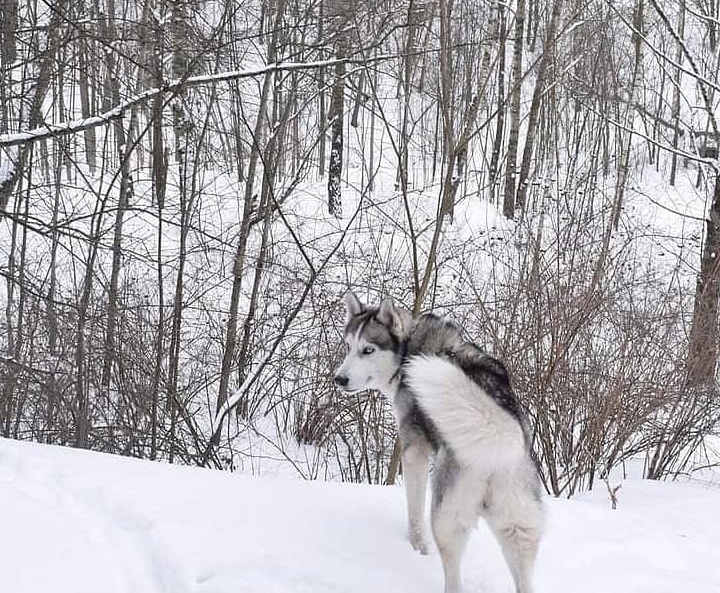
[[74, 522]]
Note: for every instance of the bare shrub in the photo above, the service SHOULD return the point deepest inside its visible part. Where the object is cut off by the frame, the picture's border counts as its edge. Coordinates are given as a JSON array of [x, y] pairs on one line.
[[594, 353]]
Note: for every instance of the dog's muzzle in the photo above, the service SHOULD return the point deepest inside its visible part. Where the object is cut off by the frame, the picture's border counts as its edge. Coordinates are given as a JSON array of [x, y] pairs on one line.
[[341, 380]]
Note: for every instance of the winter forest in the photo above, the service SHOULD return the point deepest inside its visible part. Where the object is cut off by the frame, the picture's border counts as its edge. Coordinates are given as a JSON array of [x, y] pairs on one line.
[[188, 190]]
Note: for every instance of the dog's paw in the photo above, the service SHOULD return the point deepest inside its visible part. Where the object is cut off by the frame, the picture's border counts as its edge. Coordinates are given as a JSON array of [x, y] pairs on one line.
[[418, 542]]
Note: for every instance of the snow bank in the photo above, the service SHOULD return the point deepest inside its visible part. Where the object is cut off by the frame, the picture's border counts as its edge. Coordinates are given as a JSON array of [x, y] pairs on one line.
[[73, 522]]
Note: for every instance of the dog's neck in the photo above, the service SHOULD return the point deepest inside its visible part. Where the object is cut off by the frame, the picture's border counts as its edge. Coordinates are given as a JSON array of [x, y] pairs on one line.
[[390, 390], [396, 378]]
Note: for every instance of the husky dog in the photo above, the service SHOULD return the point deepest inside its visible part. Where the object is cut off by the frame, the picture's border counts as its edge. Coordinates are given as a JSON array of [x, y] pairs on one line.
[[452, 400]]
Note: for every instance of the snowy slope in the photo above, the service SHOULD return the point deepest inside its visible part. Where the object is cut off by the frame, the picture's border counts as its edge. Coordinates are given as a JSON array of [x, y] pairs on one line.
[[74, 522]]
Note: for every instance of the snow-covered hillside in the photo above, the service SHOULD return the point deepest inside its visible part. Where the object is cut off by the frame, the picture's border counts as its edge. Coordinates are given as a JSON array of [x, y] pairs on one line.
[[75, 522]]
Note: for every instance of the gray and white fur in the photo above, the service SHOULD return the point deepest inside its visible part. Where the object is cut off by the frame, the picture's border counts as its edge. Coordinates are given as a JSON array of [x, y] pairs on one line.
[[454, 403]]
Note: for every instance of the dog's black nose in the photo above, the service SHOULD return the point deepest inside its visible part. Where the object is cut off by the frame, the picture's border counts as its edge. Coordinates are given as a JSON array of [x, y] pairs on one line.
[[341, 380]]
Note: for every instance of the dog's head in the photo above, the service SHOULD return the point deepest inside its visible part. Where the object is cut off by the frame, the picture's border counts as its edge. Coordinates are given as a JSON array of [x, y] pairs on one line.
[[374, 338]]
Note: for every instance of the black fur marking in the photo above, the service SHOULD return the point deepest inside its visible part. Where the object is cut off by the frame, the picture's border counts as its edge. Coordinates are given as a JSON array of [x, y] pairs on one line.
[[415, 420], [444, 474], [490, 374], [434, 336], [374, 330]]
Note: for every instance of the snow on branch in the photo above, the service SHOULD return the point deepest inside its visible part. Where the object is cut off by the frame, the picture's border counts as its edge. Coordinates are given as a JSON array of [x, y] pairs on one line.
[[176, 86], [74, 126]]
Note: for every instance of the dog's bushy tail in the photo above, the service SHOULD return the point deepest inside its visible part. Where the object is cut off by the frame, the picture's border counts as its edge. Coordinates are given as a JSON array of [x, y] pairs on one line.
[[479, 432]]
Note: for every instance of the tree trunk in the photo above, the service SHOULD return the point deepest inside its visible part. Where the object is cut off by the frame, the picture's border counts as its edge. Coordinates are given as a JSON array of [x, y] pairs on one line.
[[82, 402], [15, 331], [122, 148], [85, 106], [341, 19], [159, 186], [337, 123], [239, 261], [42, 84], [510, 179], [447, 111], [626, 145], [271, 157], [545, 61], [9, 13], [675, 118], [322, 116], [500, 119], [703, 343]]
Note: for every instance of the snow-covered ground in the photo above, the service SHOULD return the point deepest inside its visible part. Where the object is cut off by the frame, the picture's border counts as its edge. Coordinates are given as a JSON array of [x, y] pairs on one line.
[[73, 522]]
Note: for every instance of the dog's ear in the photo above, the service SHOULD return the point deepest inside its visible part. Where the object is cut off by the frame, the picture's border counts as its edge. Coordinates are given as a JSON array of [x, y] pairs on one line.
[[353, 306], [388, 315]]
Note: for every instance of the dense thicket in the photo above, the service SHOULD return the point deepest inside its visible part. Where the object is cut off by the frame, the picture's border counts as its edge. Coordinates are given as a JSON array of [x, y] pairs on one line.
[[187, 189]]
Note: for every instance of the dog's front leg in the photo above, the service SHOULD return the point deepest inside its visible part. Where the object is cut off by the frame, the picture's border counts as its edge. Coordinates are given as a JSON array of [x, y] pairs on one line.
[[416, 465]]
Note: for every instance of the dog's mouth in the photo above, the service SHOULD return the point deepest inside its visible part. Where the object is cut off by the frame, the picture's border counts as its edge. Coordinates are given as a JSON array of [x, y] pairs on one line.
[[352, 389]]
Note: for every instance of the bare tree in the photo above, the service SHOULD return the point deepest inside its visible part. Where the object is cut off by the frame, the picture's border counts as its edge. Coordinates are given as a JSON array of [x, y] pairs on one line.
[[515, 94], [340, 15], [249, 204], [541, 84]]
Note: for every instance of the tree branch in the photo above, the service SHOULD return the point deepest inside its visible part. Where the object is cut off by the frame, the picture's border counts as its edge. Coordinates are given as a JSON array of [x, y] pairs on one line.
[[176, 86]]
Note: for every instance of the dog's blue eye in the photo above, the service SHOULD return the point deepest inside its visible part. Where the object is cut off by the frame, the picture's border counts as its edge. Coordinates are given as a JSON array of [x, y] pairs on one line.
[[368, 350]]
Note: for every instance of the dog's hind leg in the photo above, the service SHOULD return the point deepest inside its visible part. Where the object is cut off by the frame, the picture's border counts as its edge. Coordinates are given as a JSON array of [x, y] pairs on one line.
[[519, 546], [515, 514], [450, 537], [416, 465]]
